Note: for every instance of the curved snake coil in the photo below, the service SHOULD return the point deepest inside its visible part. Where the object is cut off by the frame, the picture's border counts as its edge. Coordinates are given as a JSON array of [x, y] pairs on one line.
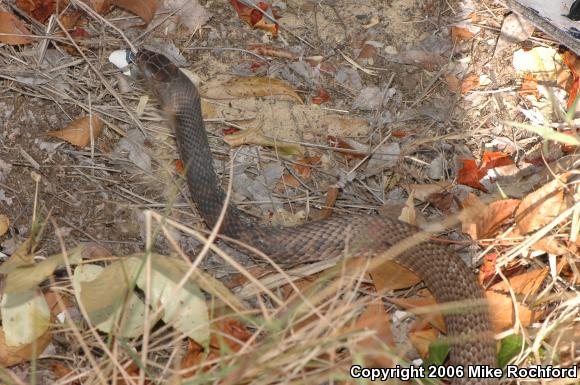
[[445, 274]]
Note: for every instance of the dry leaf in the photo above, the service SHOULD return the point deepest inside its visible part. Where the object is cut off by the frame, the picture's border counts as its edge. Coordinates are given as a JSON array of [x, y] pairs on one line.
[[423, 191], [427, 60], [4, 224], [78, 132], [421, 339], [529, 86], [514, 29], [255, 136], [541, 206], [9, 24], [331, 196], [12, 355], [550, 245], [375, 318], [247, 87], [502, 311], [459, 34], [408, 215], [392, 276], [145, 9], [453, 82], [490, 219], [472, 206], [500, 301], [469, 83], [425, 308]]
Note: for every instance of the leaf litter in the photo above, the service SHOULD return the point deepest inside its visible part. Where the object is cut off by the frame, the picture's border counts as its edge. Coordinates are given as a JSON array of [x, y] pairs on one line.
[[322, 152]]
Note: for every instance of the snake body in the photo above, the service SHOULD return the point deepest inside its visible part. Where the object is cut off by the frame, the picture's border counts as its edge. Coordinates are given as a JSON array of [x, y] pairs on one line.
[[445, 274]]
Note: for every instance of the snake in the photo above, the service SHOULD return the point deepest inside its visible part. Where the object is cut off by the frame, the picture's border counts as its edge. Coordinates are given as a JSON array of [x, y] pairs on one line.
[[448, 278]]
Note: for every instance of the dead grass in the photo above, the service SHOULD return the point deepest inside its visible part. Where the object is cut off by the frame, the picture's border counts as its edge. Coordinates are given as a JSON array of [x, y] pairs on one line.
[[304, 325]]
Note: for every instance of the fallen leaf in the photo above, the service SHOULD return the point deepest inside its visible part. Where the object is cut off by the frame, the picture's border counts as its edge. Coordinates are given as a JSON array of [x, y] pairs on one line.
[[303, 168], [425, 307], [390, 276], [331, 195], [459, 34], [573, 63], [550, 245], [422, 339], [246, 10], [423, 191], [78, 132], [145, 9], [247, 87], [490, 219], [542, 61], [426, 60], [322, 97], [408, 215], [10, 27], [470, 175], [541, 206], [469, 83], [4, 224], [255, 136], [374, 317], [189, 14], [514, 29], [12, 355], [502, 311], [529, 86], [525, 284], [40, 10], [453, 82], [60, 371]]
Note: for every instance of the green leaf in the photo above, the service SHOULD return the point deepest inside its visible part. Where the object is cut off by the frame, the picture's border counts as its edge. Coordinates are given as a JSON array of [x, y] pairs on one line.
[[510, 347]]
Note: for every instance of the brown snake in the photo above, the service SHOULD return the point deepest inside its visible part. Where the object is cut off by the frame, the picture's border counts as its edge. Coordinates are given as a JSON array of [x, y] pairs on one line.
[[445, 274]]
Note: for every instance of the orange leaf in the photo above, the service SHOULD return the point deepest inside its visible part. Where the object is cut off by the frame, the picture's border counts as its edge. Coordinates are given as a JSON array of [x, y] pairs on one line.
[[502, 311], [458, 34], [529, 86], [421, 339], [392, 276], [470, 174], [573, 64], [541, 206], [145, 9], [470, 82], [492, 217], [525, 284], [254, 17], [375, 318], [78, 132], [492, 159], [9, 24], [331, 196]]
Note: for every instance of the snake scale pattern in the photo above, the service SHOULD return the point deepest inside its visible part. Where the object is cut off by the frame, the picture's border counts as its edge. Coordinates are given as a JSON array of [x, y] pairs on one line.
[[444, 273]]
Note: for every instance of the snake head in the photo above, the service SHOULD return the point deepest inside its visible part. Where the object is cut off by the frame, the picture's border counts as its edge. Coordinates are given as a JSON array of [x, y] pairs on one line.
[[155, 67]]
